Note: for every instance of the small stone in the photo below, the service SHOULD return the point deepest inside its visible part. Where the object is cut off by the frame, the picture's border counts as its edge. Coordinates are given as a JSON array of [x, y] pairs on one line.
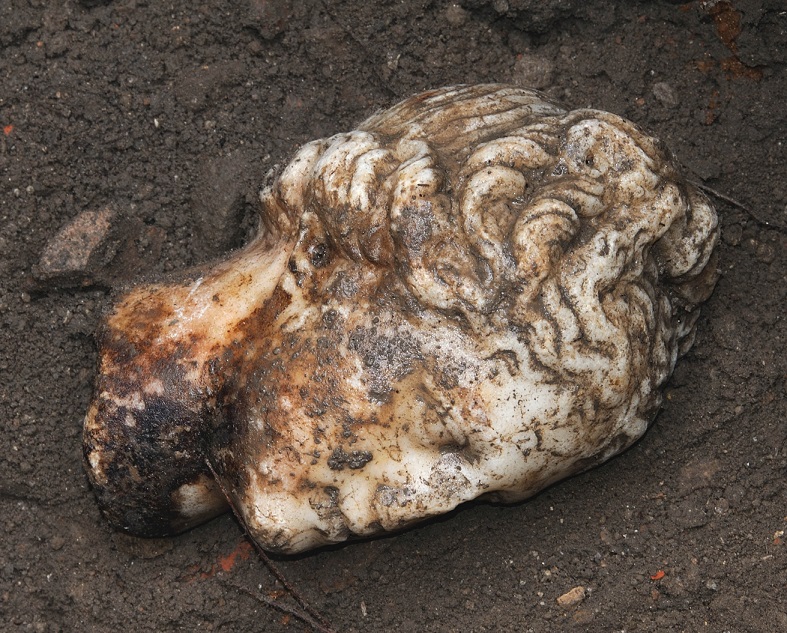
[[765, 252], [572, 597], [665, 94], [98, 248], [455, 15], [533, 71], [68, 255], [57, 542]]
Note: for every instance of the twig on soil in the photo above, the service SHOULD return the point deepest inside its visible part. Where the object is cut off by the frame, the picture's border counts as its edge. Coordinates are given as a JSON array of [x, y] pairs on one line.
[[279, 606], [718, 194], [309, 615]]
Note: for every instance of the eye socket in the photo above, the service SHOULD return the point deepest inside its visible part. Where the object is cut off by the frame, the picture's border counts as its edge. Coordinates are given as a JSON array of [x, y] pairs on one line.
[[319, 253]]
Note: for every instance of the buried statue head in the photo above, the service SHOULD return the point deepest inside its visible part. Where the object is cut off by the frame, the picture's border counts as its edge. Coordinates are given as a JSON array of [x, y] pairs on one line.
[[474, 293]]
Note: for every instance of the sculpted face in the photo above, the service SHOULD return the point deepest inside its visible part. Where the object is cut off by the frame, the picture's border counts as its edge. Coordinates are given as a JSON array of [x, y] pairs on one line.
[[475, 293]]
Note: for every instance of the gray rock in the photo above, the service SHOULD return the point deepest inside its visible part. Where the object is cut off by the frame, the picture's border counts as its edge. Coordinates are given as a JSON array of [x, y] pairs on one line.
[[665, 94], [70, 256], [533, 71], [98, 247]]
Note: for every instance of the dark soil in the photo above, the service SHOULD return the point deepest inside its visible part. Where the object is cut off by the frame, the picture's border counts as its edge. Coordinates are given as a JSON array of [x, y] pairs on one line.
[[173, 112]]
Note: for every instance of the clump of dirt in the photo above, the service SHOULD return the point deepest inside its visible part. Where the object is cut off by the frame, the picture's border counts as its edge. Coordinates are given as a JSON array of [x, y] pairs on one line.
[[171, 114]]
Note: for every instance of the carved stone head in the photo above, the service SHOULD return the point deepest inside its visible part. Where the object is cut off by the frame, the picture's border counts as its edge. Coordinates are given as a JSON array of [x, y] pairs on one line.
[[474, 293]]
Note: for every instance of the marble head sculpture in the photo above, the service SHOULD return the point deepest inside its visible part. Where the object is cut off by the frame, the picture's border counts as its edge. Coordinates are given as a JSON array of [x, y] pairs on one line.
[[475, 293]]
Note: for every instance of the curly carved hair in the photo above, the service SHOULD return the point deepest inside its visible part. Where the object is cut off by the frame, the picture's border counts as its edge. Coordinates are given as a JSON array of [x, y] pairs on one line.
[[478, 196]]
